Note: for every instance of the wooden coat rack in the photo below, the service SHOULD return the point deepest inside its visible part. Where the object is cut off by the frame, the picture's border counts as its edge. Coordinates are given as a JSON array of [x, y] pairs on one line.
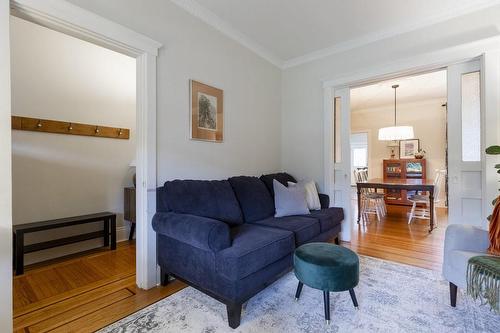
[[64, 127]]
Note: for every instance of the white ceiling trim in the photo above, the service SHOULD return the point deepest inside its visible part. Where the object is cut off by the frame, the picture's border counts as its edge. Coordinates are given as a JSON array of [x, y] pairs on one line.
[[465, 8], [209, 17]]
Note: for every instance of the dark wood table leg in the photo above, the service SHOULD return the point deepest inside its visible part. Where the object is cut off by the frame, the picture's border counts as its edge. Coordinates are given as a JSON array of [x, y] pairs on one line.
[[359, 202], [106, 232], [132, 230], [14, 250], [113, 232], [431, 209], [19, 252]]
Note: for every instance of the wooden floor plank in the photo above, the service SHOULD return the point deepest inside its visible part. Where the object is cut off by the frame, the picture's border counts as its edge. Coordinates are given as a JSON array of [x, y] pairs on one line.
[[80, 311], [394, 239], [118, 310], [66, 295], [43, 313]]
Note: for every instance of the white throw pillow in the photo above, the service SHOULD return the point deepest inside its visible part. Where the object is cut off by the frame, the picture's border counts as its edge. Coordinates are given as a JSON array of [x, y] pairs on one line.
[[311, 192]]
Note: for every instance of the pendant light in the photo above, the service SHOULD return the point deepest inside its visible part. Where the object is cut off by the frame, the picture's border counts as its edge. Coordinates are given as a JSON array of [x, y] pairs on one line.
[[395, 132]]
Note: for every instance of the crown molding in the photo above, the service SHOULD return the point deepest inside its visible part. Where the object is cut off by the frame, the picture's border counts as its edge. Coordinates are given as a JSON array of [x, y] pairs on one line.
[[210, 18], [75, 21], [466, 8]]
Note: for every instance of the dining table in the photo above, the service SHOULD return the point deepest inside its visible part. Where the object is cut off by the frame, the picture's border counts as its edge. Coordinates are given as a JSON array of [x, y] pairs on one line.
[[421, 185]]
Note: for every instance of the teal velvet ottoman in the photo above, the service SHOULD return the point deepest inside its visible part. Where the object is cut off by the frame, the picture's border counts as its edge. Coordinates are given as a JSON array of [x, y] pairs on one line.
[[326, 267]]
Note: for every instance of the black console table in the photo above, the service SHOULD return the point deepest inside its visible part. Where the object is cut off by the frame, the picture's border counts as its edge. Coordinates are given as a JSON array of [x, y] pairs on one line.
[[20, 249]]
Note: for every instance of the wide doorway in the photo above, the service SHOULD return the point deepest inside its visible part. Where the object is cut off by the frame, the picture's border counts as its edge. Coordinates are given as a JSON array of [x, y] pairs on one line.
[[414, 142]]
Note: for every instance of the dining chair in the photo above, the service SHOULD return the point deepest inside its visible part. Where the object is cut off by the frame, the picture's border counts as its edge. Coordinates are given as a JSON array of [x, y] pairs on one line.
[[371, 201], [420, 208]]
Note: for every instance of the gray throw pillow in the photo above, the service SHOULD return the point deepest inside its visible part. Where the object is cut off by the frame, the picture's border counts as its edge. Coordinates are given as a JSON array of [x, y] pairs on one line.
[[289, 200]]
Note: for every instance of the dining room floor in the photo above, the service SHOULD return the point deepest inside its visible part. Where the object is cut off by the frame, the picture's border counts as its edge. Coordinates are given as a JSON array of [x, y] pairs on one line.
[[392, 238]]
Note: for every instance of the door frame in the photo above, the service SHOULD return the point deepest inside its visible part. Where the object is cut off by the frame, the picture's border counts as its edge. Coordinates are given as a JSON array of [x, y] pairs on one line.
[[487, 50], [60, 15]]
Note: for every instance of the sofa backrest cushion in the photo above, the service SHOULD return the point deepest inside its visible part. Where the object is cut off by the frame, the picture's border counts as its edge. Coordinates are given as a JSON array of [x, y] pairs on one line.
[[282, 177], [208, 198], [254, 198]]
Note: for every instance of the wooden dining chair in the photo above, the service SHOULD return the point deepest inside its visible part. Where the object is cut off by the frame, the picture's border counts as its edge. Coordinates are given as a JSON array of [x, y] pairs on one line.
[[420, 208]]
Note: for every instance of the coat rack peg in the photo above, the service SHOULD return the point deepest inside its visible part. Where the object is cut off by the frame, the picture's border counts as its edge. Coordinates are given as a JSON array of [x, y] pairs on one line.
[[39, 124], [97, 130], [120, 132], [70, 127]]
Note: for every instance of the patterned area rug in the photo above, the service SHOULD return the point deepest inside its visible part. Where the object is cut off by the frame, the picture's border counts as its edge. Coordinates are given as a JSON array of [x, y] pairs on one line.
[[392, 298]]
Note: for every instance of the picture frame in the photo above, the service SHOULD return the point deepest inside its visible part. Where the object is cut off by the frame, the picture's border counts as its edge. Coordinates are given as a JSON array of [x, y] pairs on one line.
[[206, 112], [408, 148]]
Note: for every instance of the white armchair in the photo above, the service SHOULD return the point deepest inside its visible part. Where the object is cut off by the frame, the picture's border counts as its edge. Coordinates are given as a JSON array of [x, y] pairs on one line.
[[461, 243]]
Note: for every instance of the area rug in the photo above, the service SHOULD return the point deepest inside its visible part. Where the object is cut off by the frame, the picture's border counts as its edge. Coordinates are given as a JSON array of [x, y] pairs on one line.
[[392, 298]]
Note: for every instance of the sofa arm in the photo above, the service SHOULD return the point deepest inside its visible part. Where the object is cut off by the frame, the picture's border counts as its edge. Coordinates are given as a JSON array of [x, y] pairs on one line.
[[201, 232], [324, 200], [466, 238]]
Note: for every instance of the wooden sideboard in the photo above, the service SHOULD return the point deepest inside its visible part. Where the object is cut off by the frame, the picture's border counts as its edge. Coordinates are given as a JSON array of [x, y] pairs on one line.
[[402, 169]]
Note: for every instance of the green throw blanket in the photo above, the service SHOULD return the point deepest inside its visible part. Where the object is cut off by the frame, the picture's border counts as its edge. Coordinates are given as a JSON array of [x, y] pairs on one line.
[[483, 280]]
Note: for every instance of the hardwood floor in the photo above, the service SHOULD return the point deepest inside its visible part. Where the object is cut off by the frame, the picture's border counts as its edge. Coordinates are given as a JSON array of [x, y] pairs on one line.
[[82, 294], [393, 239]]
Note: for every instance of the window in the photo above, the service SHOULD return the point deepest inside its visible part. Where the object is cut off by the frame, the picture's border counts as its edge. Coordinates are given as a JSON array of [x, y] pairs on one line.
[[337, 126], [359, 157], [471, 117]]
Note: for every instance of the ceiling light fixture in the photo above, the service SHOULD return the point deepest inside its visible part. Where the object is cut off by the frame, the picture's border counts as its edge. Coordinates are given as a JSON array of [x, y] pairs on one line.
[[395, 132]]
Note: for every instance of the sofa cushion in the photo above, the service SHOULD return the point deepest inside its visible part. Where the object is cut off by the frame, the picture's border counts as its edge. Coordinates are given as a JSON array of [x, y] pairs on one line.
[[253, 196], [253, 248], [214, 199], [289, 201], [282, 177], [304, 228], [328, 217]]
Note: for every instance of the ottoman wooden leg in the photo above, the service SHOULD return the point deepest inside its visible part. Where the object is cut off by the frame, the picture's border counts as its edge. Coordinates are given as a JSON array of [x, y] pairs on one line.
[[299, 290], [353, 297], [326, 297]]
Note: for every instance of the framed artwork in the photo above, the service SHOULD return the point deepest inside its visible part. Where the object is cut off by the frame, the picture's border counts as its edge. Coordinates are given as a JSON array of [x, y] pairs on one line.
[[408, 148], [207, 112]]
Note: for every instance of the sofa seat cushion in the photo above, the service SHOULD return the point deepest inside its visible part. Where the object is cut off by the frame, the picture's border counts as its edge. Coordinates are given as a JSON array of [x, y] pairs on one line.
[[208, 198], [328, 217], [253, 248], [254, 198], [304, 228], [282, 177]]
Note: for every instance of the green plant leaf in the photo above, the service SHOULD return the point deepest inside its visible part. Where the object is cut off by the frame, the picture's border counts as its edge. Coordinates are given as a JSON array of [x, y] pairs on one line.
[[493, 150], [497, 166], [489, 218]]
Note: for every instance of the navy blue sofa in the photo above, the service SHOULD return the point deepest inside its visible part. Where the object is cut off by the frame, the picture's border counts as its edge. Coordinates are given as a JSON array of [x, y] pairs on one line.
[[221, 236]]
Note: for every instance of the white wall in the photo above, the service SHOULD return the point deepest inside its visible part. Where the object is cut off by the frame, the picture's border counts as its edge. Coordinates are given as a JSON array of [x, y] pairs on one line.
[[5, 174], [194, 50], [302, 107], [428, 119], [55, 76]]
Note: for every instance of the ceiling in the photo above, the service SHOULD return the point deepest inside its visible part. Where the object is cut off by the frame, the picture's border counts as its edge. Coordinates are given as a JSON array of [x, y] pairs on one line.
[[289, 32], [411, 89]]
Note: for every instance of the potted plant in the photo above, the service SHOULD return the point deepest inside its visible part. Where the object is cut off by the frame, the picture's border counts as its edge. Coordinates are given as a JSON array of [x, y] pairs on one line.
[[494, 150], [420, 153]]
